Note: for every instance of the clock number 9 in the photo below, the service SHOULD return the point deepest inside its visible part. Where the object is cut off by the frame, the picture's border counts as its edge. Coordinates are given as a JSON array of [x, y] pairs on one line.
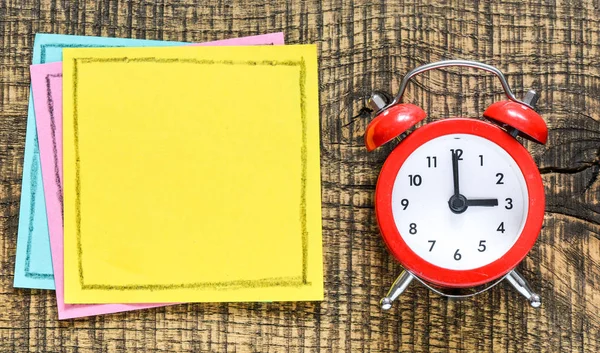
[[457, 255], [404, 203], [415, 180]]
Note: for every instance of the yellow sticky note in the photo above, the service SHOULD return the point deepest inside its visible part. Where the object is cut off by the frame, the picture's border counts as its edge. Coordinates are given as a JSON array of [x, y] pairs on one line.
[[191, 174]]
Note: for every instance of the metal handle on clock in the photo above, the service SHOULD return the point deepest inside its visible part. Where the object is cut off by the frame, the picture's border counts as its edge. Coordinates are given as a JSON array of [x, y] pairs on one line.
[[463, 63]]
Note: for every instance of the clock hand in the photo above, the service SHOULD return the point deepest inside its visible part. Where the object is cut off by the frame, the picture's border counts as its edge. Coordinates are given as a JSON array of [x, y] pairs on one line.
[[482, 202], [455, 173], [457, 202]]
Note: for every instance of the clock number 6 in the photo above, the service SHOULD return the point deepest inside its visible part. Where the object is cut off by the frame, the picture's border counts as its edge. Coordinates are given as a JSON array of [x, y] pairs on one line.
[[457, 255]]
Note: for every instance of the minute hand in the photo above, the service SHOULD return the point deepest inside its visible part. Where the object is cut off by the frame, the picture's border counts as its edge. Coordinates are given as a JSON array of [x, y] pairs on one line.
[[455, 173], [483, 202]]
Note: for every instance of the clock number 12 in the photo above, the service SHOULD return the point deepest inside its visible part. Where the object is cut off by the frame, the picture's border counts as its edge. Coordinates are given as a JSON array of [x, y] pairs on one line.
[[458, 153]]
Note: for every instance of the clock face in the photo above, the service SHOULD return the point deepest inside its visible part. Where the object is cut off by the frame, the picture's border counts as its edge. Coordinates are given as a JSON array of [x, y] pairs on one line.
[[463, 221]]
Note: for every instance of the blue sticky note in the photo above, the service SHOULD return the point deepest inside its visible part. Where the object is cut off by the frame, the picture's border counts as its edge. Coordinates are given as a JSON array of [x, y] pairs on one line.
[[33, 265]]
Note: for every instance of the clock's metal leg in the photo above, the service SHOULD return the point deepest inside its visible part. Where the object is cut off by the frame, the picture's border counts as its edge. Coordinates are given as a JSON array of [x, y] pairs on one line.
[[521, 285], [397, 288]]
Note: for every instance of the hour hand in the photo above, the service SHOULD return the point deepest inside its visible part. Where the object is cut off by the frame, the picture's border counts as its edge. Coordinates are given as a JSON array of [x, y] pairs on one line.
[[483, 202]]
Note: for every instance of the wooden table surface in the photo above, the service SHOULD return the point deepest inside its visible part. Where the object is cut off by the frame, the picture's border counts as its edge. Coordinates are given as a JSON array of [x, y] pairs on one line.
[[553, 47]]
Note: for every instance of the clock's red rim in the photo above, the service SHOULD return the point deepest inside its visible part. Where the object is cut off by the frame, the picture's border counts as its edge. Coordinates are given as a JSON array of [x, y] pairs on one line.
[[459, 278]]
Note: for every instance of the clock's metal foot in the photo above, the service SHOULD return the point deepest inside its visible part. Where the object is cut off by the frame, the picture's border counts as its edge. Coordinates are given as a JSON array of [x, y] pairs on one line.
[[397, 288], [521, 285]]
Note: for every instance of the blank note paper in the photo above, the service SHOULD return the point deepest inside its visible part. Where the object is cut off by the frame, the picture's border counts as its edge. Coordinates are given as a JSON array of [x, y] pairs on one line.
[[46, 84], [191, 174], [33, 263]]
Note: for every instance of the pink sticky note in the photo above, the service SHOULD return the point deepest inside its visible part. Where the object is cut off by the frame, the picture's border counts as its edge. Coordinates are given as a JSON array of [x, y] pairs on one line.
[[261, 39], [46, 84]]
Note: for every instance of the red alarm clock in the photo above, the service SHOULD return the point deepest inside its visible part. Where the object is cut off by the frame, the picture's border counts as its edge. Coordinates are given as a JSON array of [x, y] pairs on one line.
[[459, 201]]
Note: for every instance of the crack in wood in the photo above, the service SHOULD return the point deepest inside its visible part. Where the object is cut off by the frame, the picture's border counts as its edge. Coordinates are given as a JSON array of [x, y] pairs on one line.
[[569, 170], [584, 166]]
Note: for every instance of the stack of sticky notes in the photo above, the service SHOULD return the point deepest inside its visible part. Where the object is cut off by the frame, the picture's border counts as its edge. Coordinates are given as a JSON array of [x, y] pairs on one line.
[[163, 172]]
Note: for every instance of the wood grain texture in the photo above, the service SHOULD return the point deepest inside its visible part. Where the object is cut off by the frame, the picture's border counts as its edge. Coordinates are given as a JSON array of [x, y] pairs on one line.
[[553, 46]]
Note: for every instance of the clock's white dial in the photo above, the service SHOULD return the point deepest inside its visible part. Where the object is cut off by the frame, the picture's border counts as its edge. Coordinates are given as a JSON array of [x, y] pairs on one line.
[[480, 234]]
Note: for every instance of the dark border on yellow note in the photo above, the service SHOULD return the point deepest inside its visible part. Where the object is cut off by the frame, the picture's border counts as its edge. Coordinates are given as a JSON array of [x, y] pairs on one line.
[[295, 281]]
